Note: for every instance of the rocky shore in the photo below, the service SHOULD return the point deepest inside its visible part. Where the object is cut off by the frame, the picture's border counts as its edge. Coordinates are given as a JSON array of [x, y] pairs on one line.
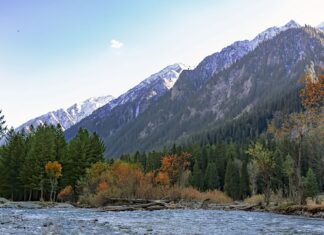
[[151, 205], [300, 210], [4, 203]]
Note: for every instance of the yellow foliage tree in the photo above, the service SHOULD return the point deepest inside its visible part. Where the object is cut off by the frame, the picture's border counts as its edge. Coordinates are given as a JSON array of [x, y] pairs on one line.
[[53, 171]]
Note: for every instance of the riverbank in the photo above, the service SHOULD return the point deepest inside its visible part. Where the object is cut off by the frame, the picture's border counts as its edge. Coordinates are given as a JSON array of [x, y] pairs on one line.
[[4, 203], [118, 205], [313, 211]]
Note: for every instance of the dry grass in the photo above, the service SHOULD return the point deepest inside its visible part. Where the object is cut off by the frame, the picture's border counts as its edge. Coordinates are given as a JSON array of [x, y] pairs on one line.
[[217, 196], [172, 193], [256, 199], [192, 194]]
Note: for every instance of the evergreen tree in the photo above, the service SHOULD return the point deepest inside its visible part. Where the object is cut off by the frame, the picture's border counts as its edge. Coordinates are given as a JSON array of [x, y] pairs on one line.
[[220, 159], [2, 125], [197, 179], [232, 180], [311, 186], [42, 149], [82, 151], [211, 176], [245, 182], [12, 157]]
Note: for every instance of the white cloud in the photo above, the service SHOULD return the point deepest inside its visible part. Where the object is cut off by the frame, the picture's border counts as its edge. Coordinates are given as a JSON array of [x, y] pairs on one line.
[[116, 44]]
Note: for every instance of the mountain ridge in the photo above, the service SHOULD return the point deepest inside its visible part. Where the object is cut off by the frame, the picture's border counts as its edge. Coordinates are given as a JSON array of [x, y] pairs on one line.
[[129, 105], [226, 95], [66, 117]]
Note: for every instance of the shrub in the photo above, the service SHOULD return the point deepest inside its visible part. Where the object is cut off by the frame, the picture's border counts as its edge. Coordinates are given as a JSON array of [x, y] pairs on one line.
[[66, 194], [256, 199]]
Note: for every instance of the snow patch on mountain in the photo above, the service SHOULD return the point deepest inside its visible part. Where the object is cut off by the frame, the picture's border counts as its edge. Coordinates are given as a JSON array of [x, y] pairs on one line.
[[228, 55], [152, 87], [70, 116], [321, 26]]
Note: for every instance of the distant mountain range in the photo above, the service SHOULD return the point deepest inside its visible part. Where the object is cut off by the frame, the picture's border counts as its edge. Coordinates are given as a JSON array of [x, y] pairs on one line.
[[70, 116], [177, 103], [225, 86], [138, 97], [259, 83], [321, 26], [127, 107]]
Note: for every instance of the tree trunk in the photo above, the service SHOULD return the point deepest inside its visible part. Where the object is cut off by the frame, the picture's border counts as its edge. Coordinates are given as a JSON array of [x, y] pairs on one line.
[[298, 171], [41, 191], [30, 194], [267, 191], [52, 190]]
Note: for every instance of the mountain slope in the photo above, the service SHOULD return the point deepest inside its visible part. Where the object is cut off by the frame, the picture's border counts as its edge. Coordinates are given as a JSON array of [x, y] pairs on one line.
[[109, 118], [226, 57], [271, 70], [70, 116], [321, 26]]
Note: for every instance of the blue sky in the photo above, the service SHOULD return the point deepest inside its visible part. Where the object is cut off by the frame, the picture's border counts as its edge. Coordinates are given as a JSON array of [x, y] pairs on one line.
[[54, 53]]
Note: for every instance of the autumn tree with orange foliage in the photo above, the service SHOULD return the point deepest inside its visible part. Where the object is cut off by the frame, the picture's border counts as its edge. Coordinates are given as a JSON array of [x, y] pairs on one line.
[[103, 186], [175, 167], [66, 194], [53, 171]]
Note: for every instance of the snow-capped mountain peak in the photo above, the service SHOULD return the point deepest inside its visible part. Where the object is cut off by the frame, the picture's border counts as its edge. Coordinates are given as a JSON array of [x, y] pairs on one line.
[[69, 116], [228, 55], [169, 73], [321, 26], [156, 83], [132, 103], [291, 24]]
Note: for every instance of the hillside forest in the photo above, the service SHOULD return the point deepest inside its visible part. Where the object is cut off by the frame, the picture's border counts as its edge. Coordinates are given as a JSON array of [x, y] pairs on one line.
[[284, 161]]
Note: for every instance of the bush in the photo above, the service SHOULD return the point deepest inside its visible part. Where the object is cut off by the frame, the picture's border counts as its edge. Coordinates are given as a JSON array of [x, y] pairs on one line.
[[127, 181], [256, 199], [192, 194], [66, 194]]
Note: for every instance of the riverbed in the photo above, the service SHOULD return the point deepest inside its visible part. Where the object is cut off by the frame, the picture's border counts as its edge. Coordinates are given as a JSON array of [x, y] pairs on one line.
[[91, 221]]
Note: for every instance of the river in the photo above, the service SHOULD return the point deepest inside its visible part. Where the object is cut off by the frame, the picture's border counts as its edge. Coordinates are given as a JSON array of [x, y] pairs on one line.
[[89, 221]]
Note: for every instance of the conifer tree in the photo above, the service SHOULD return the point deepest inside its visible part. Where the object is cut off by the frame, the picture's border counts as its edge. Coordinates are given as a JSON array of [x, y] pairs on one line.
[[211, 176], [13, 155], [232, 180], [197, 179], [2, 125], [311, 186], [245, 181], [83, 151]]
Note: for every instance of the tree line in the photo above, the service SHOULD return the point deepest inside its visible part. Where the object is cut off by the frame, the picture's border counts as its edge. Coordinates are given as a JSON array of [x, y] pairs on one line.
[[36, 164], [286, 159]]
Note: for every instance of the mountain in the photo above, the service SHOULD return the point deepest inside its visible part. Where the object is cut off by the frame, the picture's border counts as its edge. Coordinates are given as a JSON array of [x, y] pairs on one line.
[[114, 115], [70, 116], [321, 26], [206, 98], [227, 56]]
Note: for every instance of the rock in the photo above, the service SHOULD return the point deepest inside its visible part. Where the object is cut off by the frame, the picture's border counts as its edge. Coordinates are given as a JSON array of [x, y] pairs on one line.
[[3, 200], [63, 205], [135, 205], [32, 205], [47, 224]]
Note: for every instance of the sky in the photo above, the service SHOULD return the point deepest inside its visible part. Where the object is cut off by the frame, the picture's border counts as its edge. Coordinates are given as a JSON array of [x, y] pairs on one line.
[[54, 53]]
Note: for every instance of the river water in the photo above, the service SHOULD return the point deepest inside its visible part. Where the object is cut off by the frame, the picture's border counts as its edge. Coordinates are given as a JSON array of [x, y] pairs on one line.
[[90, 221]]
